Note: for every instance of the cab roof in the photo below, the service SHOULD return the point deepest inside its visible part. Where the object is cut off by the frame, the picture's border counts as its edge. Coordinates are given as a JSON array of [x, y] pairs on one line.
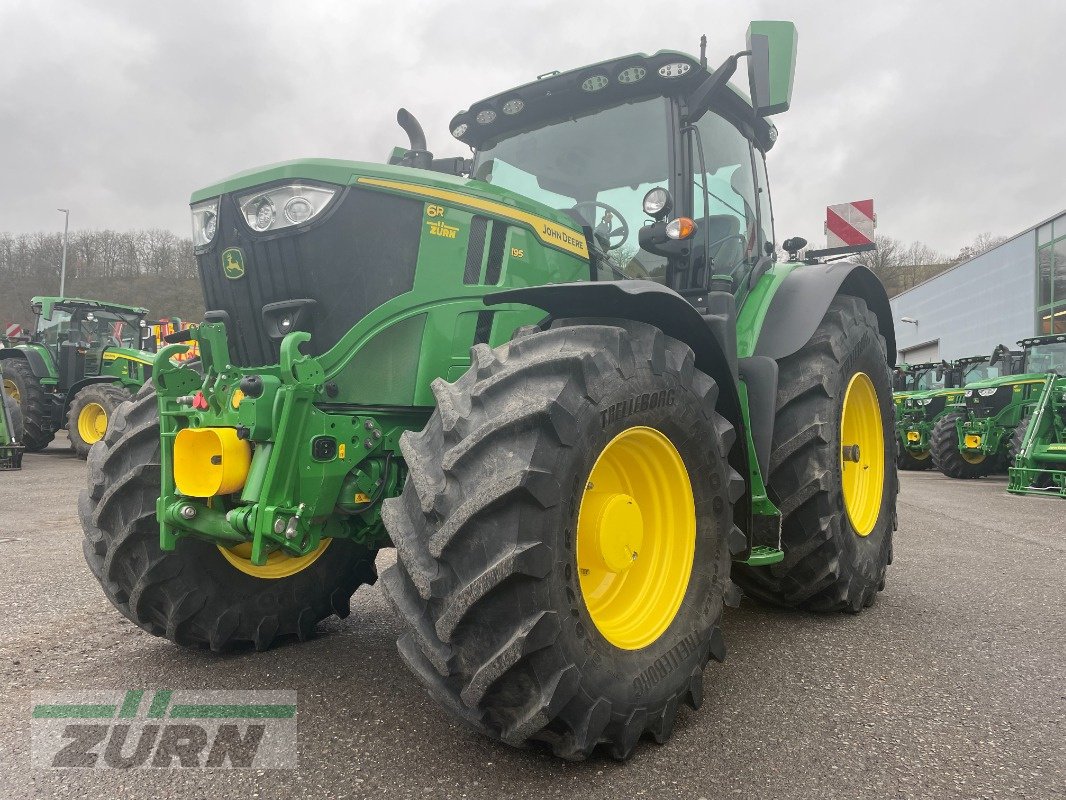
[[558, 96], [1046, 339], [44, 305]]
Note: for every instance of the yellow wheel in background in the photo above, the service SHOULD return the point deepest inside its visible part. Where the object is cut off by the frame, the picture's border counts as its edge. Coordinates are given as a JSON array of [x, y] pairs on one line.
[[278, 564], [92, 422], [636, 537], [12, 390], [862, 453], [972, 458]]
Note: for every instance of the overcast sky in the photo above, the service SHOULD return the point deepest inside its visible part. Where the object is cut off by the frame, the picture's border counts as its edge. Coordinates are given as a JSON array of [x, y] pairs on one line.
[[951, 115]]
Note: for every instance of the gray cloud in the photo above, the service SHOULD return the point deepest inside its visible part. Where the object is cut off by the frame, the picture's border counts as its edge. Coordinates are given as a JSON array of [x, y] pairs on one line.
[[949, 114]]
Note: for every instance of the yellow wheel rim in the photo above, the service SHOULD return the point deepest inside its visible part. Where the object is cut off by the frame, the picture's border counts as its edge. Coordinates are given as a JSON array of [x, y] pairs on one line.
[[278, 564], [972, 458], [920, 456], [636, 538], [862, 453], [11, 389], [92, 423]]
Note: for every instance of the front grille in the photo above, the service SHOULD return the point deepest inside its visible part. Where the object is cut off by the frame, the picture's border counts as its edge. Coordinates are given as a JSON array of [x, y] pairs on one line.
[[990, 406], [362, 252]]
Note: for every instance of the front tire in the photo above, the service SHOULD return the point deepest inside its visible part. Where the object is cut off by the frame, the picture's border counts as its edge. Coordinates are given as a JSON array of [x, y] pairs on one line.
[[34, 402], [89, 412], [506, 612], [948, 458], [906, 460], [194, 595], [837, 543]]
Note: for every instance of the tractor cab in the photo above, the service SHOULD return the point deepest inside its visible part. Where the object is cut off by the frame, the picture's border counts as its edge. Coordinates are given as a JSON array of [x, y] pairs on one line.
[[79, 332], [681, 197], [1043, 354]]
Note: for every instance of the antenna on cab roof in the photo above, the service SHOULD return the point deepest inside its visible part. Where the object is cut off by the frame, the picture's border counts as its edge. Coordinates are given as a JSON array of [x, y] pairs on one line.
[[703, 51]]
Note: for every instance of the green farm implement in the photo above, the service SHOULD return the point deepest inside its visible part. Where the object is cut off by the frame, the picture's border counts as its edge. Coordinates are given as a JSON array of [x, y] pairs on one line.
[[1039, 441], [10, 431], [81, 362], [567, 379], [984, 430]]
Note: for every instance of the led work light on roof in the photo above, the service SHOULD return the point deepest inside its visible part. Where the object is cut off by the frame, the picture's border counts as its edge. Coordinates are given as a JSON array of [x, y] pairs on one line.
[[632, 74], [485, 116], [675, 70], [460, 129], [594, 83], [513, 106]]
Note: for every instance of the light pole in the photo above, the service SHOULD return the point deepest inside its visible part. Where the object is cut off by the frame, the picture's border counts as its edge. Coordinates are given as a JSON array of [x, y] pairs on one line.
[[63, 266]]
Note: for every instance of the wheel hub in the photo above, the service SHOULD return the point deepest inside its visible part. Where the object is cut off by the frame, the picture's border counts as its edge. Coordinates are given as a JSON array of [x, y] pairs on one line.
[[618, 529]]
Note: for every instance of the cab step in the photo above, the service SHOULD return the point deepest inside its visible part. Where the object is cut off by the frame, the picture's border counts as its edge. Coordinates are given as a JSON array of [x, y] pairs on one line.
[[762, 556]]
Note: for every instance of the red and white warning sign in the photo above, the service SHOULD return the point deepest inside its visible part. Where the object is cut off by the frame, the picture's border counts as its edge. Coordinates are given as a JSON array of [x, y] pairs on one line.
[[850, 224], [13, 330]]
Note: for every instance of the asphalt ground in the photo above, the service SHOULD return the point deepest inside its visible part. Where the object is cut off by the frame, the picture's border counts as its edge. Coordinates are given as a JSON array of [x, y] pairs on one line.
[[952, 685]]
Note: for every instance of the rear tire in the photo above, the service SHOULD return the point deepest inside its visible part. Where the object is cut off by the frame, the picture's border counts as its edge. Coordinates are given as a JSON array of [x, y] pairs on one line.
[[105, 398], [34, 402], [487, 579], [192, 595], [1016, 438], [827, 565], [947, 457]]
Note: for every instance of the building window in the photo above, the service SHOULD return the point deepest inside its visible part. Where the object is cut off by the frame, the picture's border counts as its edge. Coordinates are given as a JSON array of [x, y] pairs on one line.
[[1051, 277]]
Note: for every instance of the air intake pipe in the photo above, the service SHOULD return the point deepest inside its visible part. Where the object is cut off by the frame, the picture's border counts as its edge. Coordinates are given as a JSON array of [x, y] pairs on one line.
[[417, 156]]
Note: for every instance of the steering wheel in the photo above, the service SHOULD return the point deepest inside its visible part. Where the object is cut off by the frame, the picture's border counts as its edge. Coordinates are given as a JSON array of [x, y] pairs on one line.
[[603, 230]]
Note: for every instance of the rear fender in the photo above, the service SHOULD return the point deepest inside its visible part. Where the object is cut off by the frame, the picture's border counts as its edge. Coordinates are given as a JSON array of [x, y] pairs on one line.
[[803, 298], [32, 356]]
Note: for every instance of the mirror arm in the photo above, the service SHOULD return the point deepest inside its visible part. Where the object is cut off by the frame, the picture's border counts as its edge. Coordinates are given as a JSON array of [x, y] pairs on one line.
[[699, 100]]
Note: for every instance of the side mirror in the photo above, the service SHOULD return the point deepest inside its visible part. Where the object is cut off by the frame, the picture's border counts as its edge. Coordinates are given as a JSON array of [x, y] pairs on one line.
[[939, 373], [997, 355], [771, 65]]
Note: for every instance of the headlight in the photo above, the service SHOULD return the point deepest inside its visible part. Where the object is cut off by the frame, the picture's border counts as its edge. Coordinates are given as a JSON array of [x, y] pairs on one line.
[[204, 222], [987, 392], [969, 393], [926, 401], [284, 206]]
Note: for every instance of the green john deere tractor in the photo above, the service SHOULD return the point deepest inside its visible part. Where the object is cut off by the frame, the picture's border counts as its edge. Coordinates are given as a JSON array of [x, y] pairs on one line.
[[908, 380], [919, 411], [984, 430], [576, 468], [1039, 441], [81, 362]]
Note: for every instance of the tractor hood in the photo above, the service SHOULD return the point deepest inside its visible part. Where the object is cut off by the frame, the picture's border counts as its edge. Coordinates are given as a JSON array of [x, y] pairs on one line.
[[316, 245]]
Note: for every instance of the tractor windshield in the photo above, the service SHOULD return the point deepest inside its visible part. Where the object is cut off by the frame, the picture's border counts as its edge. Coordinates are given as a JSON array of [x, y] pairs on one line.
[[90, 327], [1047, 357], [927, 380], [599, 166], [981, 371]]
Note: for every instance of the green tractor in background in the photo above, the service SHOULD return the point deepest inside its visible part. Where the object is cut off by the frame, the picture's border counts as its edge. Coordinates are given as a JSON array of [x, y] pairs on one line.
[[908, 380], [82, 361], [983, 432], [919, 411], [1039, 441], [576, 470]]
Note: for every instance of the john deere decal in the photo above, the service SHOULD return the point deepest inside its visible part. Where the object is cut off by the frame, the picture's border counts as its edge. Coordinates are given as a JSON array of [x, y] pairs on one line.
[[233, 263]]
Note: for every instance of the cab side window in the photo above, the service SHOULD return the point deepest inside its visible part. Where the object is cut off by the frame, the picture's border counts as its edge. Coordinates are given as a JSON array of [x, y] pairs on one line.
[[731, 225], [766, 213]]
